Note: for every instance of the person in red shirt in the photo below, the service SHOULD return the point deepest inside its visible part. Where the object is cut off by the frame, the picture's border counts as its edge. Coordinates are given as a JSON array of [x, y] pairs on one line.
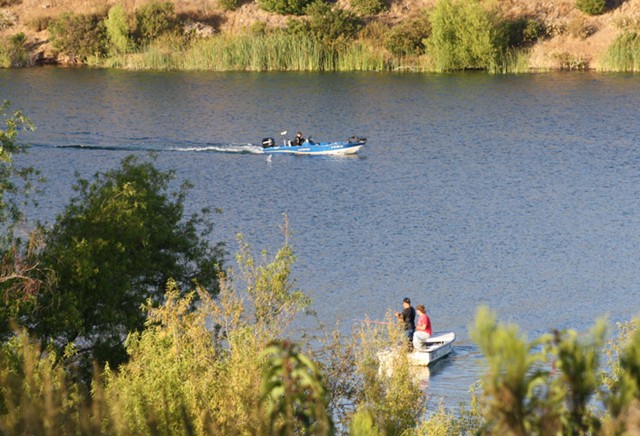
[[423, 327]]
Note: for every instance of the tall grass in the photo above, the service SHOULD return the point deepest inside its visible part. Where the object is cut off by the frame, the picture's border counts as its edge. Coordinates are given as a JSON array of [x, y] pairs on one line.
[[263, 52], [623, 54]]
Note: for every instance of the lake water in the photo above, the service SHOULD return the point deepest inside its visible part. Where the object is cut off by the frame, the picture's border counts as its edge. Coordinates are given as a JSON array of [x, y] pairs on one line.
[[521, 193]]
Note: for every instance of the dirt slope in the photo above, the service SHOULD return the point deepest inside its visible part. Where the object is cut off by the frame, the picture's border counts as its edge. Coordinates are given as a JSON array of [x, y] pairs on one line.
[[573, 35]]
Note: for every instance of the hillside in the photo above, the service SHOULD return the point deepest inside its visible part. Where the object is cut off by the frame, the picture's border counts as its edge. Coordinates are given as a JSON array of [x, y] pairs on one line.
[[573, 39]]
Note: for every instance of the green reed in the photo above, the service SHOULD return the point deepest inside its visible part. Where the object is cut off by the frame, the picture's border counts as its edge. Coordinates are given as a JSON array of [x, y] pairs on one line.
[[623, 54], [277, 51]]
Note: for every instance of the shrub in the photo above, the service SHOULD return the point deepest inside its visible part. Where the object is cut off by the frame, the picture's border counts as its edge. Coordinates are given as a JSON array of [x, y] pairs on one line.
[[331, 25], [117, 30], [155, 19], [591, 7], [78, 36], [4, 3], [228, 5], [368, 7], [39, 23], [13, 51], [464, 36], [516, 33], [6, 20], [284, 7], [409, 37], [580, 28]]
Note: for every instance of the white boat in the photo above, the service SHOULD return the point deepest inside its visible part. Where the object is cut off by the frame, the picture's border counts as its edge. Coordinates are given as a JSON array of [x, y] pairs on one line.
[[436, 347]]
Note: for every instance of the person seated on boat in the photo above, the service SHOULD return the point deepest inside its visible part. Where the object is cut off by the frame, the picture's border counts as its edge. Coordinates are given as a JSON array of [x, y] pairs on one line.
[[423, 328], [408, 317], [298, 140]]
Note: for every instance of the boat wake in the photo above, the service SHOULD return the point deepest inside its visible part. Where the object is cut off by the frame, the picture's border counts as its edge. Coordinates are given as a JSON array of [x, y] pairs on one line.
[[172, 148]]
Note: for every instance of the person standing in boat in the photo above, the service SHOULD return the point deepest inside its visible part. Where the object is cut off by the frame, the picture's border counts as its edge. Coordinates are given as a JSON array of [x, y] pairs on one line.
[[298, 140], [423, 328], [408, 317]]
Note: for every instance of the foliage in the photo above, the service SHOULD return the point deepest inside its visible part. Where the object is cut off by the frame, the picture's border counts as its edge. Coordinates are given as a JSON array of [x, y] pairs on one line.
[[39, 23], [329, 25], [37, 396], [624, 53], [591, 7], [578, 362], [368, 7], [117, 31], [513, 384], [228, 5], [78, 36], [464, 36], [13, 51], [284, 7], [113, 247], [408, 38], [523, 31], [293, 392], [155, 19], [388, 392], [4, 3], [14, 181]]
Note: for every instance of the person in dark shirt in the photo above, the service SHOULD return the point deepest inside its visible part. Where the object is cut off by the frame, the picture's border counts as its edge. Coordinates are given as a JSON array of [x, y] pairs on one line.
[[408, 317], [298, 140]]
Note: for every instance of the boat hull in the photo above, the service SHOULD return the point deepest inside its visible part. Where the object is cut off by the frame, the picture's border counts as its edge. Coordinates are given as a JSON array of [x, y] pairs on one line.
[[437, 346], [321, 148]]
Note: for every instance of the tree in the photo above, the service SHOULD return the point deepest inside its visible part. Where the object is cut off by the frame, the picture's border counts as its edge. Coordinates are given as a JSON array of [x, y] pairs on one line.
[[464, 36], [156, 19], [16, 261], [117, 30], [78, 36], [112, 249]]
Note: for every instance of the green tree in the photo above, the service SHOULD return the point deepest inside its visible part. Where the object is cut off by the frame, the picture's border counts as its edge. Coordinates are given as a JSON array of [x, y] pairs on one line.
[[155, 19], [464, 36], [117, 29], [17, 287], [78, 36], [330, 25], [113, 248]]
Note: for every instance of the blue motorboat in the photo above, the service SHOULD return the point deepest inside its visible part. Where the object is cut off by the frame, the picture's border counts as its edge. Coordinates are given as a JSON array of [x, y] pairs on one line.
[[309, 147]]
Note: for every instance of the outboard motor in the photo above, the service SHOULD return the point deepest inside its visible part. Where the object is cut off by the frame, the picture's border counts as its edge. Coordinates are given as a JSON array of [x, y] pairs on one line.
[[268, 142]]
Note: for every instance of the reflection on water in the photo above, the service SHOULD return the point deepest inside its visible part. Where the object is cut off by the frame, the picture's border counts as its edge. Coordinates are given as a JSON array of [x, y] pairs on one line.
[[521, 193]]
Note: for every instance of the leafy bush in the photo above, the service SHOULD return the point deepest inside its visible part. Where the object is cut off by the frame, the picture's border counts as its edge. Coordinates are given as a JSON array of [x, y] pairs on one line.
[[331, 26], [368, 7], [409, 37], [591, 7], [13, 51], [228, 5], [464, 36], [78, 36], [117, 30], [284, 7], [6, 20], [155, 19], [4, 3], [517, 33]]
